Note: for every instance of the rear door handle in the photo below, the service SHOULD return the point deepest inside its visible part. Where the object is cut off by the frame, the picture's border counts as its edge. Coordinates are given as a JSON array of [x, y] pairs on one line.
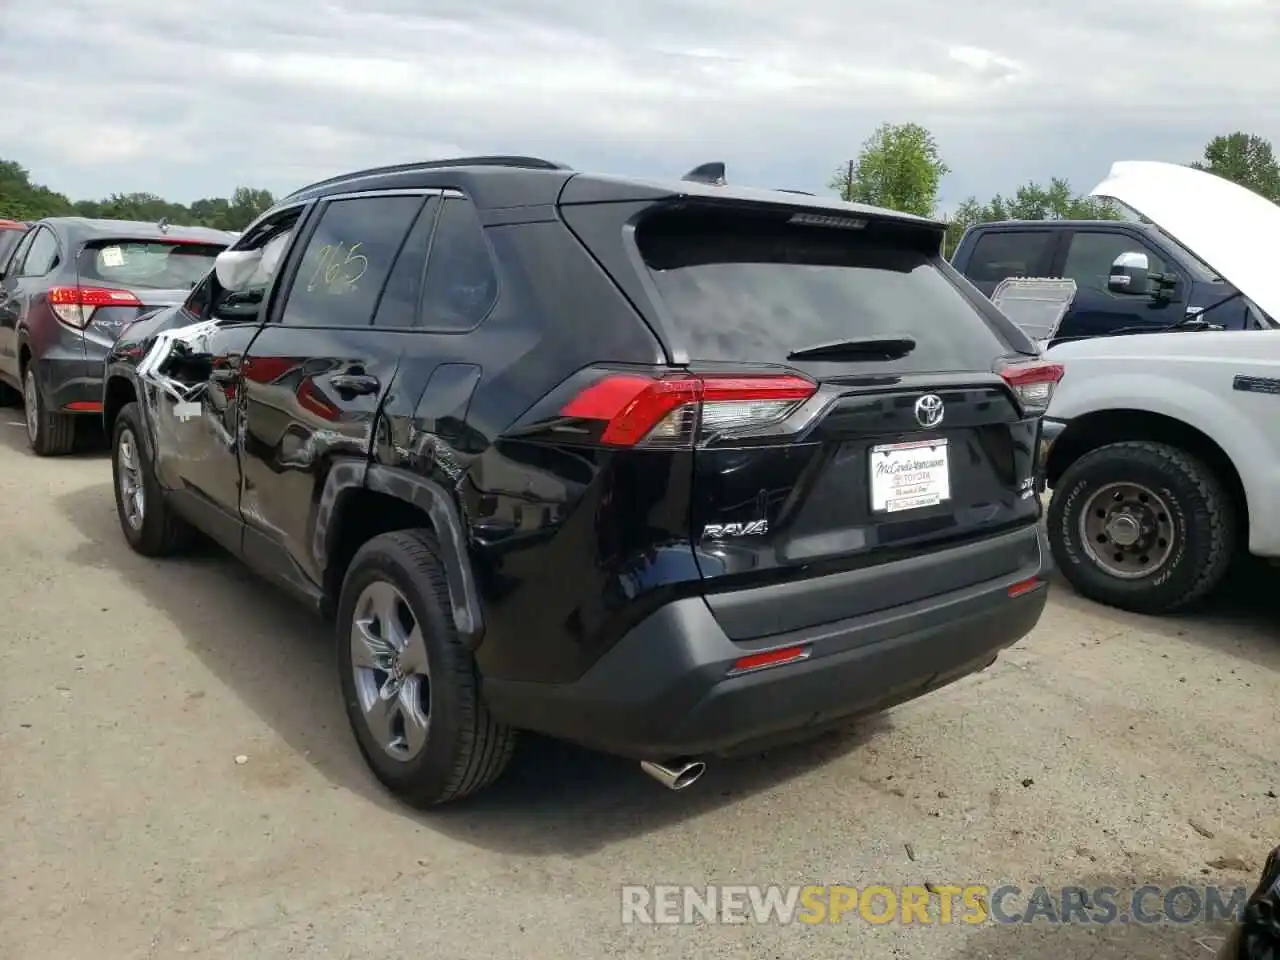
[[356, 384]]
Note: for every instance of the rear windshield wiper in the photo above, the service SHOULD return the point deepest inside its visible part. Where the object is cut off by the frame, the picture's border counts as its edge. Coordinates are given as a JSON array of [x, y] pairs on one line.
[[857, 348]]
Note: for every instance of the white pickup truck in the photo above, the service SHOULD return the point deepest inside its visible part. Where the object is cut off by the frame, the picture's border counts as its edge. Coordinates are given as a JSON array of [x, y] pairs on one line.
[[1162, 450]]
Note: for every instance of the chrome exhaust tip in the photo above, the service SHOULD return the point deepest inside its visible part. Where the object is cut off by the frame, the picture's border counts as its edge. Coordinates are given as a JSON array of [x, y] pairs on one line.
[[675, 774]]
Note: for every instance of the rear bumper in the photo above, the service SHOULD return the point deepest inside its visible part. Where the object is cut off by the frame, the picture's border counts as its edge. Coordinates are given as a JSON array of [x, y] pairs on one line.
[[70, 377], [663, 690], [1050, 431]]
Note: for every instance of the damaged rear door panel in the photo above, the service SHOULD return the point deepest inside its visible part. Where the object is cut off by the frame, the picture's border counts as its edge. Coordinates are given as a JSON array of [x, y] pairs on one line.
[[317, 374], [192, 404], [189, 382]]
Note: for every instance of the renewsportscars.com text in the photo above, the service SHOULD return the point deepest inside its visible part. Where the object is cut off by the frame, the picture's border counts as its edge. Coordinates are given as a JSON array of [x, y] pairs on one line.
[[933, 904]]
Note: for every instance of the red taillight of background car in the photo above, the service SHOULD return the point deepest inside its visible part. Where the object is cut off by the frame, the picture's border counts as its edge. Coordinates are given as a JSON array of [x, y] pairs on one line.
[[75, 306]]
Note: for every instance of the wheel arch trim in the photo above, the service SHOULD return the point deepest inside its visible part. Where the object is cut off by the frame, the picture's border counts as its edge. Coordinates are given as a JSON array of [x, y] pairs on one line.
[[348, 478]]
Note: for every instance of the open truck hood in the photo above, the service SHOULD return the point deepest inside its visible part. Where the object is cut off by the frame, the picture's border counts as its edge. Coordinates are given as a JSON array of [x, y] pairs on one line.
[[1233, 230], [1230, 228]]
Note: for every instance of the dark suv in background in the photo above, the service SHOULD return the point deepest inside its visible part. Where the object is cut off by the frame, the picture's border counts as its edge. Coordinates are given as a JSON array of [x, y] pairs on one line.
[[668, 469], [68, 289]]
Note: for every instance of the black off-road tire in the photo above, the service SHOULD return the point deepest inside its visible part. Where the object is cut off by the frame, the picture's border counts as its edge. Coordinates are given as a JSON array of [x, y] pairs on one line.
[[1202, 515], [162, 532], [55, 433], [466, 748]]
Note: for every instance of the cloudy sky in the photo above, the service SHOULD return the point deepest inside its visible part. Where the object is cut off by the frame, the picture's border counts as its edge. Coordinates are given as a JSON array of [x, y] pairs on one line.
[[188, 98]]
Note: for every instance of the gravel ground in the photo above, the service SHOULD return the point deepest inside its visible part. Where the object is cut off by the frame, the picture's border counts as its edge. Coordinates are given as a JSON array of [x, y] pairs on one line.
[[1105, 749]]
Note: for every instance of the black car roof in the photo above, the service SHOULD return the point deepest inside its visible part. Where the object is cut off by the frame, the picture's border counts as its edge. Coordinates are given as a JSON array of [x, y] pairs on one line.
[[84, 229], [508, 181]]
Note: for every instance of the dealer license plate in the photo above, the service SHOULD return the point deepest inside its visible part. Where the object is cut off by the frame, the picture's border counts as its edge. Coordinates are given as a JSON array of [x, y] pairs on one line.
[[909, 476]]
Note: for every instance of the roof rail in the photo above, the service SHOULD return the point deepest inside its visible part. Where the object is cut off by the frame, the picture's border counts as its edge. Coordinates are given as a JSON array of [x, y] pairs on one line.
[[807, 193], [526, 163]]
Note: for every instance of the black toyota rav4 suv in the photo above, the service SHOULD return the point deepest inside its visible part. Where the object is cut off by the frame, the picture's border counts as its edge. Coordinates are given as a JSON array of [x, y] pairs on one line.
[[668, 469]]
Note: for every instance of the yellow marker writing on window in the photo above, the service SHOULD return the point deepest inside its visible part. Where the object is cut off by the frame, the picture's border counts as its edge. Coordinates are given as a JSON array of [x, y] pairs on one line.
[[338, 268]]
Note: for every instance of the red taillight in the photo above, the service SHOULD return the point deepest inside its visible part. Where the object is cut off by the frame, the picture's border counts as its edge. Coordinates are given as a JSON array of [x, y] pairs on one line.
[[75, 305], [677, 410], [1033, 383]]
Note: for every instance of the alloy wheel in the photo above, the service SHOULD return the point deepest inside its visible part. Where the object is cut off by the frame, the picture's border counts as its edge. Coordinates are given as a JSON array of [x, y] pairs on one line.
[[389, 660], [133, 493], [31, 401]]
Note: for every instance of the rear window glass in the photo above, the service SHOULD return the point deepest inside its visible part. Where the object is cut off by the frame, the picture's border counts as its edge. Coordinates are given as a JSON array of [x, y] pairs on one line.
[[748, 288], [156, 264]]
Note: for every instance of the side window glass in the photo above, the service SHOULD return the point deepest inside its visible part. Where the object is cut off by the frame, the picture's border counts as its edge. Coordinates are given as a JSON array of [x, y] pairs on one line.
[[399, 304], [20, 255], [347, 260], [9, 240], [1008, 253], [461, 285], [41, 255], [201, 297], [1090, 256]]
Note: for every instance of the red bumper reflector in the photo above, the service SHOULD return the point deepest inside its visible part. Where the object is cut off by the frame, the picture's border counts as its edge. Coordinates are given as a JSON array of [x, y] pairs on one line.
[[84, 406], [769, 658], [1024, 586]]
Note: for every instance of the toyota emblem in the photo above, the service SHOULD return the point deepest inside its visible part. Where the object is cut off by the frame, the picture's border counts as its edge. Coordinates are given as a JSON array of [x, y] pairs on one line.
[[929, 410]]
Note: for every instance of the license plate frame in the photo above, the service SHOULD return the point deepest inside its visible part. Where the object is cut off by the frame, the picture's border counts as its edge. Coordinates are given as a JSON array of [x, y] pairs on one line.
[[898, 491]]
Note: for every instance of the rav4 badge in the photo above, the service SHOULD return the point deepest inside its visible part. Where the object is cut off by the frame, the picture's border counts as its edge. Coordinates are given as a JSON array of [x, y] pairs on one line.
[[753, 529]]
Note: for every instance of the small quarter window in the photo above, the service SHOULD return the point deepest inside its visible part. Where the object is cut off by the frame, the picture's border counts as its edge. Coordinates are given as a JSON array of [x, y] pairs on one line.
[[461, 285]]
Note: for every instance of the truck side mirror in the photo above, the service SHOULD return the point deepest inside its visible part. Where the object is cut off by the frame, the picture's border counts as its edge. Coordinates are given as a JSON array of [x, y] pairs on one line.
[[1130, 274]]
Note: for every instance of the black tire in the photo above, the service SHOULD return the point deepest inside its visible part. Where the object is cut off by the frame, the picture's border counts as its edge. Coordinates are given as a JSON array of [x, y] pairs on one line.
[[1202, 517], [54, 433], [161, 532], [9, 397], [466, 749]]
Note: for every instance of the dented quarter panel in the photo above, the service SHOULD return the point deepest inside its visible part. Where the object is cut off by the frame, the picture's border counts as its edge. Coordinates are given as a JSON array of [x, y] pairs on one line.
[[422, 446]]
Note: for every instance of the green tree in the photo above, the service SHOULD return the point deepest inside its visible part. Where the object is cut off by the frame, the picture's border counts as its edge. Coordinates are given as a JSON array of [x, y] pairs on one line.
[[1032, 201], [1245, 159], [212, 212], [20, 199], [142, 207], [899, 167], [246, 205]]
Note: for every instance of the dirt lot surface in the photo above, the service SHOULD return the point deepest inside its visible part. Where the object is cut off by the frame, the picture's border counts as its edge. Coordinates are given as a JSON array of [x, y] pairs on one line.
[[1104, 750]]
